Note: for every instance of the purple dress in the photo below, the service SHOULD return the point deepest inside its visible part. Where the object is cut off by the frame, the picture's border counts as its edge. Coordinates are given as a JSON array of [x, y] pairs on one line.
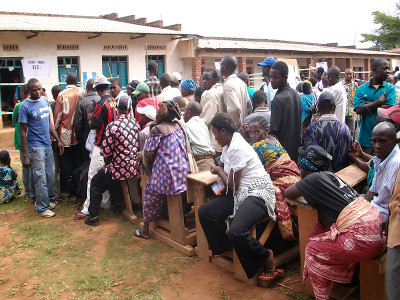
[[170, 168]]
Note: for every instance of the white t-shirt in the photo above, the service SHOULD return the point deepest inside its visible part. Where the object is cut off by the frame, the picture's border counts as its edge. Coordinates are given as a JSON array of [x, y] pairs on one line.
[[239, 155]]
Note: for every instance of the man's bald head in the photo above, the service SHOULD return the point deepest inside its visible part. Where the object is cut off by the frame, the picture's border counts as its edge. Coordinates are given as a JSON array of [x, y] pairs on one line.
[[333, 75], [228, 65], [192, 109], [385, 128], [383, 139], [245, 77]]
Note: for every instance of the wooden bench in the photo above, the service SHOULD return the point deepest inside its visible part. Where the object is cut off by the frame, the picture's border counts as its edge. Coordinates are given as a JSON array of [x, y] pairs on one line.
[[372, 282], [127, 190], [172, 230], [198, 189]]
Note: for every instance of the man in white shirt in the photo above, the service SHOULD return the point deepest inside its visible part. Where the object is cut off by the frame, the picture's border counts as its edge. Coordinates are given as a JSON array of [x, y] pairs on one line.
[[237, 102], [199, 137], [211, 101], [338, 91], [168, 92], [266, 85]]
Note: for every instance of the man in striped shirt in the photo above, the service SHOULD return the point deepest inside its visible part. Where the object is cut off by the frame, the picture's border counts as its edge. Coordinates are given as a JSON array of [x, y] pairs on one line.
[[386, 163], [105, 112]]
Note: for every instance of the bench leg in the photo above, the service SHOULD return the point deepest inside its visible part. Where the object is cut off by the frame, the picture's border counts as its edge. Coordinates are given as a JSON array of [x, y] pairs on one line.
[[128, 211], [176, 220], [372, 281]]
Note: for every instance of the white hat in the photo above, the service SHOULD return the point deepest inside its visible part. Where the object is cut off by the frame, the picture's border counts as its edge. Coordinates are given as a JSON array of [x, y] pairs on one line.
[[149, 111], [100, 79], [176, 77]]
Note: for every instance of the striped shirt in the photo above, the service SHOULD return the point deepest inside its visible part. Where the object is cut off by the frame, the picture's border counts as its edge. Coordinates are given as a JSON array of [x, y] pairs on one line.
[[104, 113], [384, 179]]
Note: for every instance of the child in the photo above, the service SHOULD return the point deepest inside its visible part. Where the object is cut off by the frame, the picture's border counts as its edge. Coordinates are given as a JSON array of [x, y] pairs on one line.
[[9, 187]]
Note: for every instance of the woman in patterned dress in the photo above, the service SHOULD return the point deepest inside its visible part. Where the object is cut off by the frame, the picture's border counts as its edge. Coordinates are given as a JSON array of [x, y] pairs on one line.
[[282, 170], [165, 156], [9, 186], [250, 197]]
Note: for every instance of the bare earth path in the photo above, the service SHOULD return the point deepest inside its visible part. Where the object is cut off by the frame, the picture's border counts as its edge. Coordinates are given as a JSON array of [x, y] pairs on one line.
[[59, 258]]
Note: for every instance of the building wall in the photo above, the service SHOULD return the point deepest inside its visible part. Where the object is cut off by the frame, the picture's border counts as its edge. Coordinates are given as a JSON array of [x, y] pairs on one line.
[[44, 46]]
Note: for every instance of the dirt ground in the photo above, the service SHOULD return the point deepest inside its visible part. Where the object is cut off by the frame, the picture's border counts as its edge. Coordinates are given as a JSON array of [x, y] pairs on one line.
[[59, 258]]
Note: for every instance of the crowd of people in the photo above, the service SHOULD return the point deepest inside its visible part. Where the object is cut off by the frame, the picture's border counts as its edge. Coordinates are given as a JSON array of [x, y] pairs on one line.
[[265, 146]]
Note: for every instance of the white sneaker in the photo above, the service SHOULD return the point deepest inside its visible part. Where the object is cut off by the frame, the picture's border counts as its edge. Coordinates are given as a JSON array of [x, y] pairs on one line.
[[52, 205], [47, 213]]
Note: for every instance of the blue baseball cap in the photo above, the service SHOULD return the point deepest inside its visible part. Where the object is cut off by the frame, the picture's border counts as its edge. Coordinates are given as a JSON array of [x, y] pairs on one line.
[[269, 61]]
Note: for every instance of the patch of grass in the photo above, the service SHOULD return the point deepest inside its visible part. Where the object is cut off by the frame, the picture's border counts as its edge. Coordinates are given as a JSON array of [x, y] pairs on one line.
[[66, 265], [295, 295]]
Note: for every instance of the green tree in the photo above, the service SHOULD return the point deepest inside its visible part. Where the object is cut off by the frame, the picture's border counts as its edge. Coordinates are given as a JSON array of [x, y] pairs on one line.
[[387, 36]]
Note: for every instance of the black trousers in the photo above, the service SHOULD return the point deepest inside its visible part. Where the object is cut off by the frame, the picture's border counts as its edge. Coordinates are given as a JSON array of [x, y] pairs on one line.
[[252, 255], [102, 182], [69, 161]]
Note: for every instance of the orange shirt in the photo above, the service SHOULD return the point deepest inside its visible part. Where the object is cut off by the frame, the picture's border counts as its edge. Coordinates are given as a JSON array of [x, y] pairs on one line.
[[66, 103]]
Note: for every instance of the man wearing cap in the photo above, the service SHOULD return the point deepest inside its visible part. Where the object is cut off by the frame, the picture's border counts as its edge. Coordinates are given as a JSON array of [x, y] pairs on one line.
[[266, 85], [330, 133], [130, 88], [176, 80], [142, 93], [237, 102], [119, 149], [211, 102], [371, 95], [152, 81], [66, 104], [168, 92], [105, 112], [147, 118]]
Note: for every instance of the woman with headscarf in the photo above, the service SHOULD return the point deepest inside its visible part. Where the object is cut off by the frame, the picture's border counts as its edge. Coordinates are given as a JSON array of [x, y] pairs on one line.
[[282, 170], [188, 88], [348, 228], [165, 156]]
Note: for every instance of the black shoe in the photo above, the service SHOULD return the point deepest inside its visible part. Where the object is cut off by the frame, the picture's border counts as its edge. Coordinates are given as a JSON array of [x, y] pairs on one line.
[[92, 222]]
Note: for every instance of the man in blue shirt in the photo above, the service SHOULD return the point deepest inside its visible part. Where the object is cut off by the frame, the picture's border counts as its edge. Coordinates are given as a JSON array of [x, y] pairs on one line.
[[371, 95], [36, 127]]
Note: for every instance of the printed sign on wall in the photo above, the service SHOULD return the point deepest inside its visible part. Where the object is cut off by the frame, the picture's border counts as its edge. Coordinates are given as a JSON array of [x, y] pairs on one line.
[[36, 68]]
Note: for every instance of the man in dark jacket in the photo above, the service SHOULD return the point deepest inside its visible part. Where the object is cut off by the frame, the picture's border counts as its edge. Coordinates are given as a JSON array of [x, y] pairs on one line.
[[285, 110]]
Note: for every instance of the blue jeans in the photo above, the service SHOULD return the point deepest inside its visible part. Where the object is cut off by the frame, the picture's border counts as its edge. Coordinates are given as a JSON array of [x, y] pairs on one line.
[[27, 179], [42, 166]]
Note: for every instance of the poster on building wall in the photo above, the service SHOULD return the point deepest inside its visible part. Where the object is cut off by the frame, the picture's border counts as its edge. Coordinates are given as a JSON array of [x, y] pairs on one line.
[[35, 68], [323, 64]]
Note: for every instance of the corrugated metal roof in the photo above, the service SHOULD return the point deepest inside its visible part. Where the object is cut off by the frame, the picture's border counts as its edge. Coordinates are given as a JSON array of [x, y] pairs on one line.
[[15, 22], [215, 43]]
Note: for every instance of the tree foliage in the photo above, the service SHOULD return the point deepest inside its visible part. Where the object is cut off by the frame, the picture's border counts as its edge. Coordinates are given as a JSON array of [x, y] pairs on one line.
[[387, 36]]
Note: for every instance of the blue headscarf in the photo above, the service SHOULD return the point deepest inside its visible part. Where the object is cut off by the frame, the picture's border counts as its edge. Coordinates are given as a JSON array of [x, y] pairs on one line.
[[189, 85]]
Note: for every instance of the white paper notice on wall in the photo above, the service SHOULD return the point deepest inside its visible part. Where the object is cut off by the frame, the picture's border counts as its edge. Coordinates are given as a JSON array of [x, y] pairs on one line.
[[36, 68]]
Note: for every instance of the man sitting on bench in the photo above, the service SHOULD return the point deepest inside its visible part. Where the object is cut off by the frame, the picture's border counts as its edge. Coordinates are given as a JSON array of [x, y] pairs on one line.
[[348, 227], [119, 148]]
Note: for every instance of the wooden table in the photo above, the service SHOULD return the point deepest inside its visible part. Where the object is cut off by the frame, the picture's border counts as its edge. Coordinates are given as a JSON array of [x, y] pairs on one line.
[[308, 216], [196, 192]]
